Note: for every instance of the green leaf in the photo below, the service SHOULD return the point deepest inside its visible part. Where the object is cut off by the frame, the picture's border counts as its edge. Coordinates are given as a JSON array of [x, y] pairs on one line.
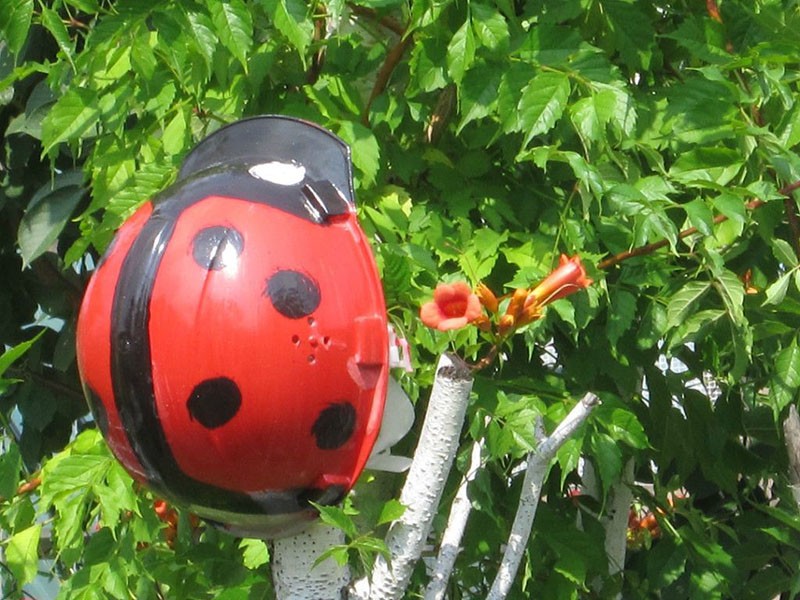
[[71, 117], [55, 25], [338, 518], [203, 36], [461, 52], [783, 251], [22, 554], [233, 25], [715, 165], [365, 150], [44, 220], [632, 32], [622, 425], [290, 18], [391, 511], [731, 289], [700, 215], [15, 21], [255, 553], [694, 327], [776, 291], [684, 301], [607, 458], [175, 133], [542, 103], [786, 377], [478, 94], [621, 313], [13, 354], [10, 467], [490, 27]]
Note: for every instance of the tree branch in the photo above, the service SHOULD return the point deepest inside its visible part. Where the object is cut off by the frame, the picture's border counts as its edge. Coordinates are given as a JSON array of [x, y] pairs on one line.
[[427, 476], [293, 572], [389, 65], [791, 435], [786, 190], [454, 530], [538, 467]]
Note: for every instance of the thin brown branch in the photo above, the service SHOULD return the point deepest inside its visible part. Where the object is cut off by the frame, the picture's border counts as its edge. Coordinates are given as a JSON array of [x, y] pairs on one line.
[[650, 248], [387, 22], [794, 224], [389, 64]]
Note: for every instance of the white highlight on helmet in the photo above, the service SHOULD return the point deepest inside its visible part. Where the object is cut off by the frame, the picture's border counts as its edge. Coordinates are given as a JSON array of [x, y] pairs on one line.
[[279, 172]]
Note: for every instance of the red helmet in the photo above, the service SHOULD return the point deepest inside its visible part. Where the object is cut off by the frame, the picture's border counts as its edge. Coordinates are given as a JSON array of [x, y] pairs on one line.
[[232, 342]]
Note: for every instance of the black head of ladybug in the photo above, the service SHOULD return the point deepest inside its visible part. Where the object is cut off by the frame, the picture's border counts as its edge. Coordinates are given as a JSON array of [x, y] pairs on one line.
[[232, 342]]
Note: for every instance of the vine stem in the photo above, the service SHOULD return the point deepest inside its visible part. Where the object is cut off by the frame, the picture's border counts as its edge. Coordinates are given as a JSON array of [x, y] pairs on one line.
[[538, 466]]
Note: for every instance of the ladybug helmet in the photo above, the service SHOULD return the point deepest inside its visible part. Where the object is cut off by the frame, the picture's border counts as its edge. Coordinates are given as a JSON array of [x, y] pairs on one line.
[[232, 342]]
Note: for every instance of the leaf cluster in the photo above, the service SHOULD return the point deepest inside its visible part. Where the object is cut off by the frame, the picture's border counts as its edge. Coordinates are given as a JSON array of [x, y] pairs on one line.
[[657, 140]]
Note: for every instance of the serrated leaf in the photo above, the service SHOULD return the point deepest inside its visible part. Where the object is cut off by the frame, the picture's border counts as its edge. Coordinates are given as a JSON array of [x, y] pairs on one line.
[[631, 31], [42, 222], [461, 51], [622, 425], [340, 554], [70, 117], [203, 36], [607, 458], [290, 17], [55, 25], [174, 136], [731, 289], [692, 328], [783, 251], [776, 291], [586, 120], [365, 150], [682, 303], [255, 553], [700, 216], [13, 354], [786, 377], [391, 511], [10, 467], [15, 21], [542, 103], [22, 554], [715, 165], [338, 518], [621, 313], [233, 24], [490, 27], [477, 96]]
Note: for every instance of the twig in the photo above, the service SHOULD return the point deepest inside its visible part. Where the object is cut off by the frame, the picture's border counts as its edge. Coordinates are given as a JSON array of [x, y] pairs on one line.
[[427, 476], [454, 530], [786, 190], [388, 22], [650, 248], [382, 79], [538, 466]]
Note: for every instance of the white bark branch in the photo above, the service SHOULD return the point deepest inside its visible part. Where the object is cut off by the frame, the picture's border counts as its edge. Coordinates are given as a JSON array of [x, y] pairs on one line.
[[538, 467], [427, 475], [454, 530], [293, 573], [791, 435], [616, 520]]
